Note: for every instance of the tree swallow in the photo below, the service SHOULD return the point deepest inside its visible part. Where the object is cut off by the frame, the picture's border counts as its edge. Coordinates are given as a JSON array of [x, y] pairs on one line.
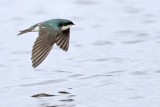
[[50, 32]]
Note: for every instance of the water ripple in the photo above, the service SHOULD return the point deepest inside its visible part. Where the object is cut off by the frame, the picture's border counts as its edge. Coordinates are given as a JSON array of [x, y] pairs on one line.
[[133, 42], [102, 43], [86, 2], [46, 82]]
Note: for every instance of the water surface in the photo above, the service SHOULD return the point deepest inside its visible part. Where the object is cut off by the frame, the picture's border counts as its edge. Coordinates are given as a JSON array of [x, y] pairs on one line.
[[113, 59]]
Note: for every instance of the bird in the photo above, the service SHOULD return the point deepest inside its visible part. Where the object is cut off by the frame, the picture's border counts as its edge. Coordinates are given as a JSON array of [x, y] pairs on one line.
[[53, 31]]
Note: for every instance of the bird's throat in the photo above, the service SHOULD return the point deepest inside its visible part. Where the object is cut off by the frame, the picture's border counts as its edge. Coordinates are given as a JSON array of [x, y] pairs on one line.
[[65, 27], [36, 29]]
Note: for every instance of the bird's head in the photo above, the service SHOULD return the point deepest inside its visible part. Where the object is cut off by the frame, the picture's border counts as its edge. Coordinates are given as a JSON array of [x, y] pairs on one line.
[[66, 24]]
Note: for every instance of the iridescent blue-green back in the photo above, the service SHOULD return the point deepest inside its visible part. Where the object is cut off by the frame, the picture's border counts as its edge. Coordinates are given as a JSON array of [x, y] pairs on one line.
[[56, 24]]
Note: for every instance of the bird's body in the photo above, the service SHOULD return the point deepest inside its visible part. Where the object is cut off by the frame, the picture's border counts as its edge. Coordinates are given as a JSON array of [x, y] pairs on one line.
[[50, 32]]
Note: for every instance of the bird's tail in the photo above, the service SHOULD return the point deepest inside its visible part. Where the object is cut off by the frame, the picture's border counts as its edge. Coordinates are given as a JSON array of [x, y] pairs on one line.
[[25, 31]]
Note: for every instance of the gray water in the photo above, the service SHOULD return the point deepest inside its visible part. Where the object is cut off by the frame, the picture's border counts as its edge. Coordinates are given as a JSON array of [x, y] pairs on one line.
[[113, 59]]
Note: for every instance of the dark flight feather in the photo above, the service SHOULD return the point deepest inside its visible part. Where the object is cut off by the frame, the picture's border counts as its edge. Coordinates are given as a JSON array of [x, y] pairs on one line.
[[62, 40], [42, 46]]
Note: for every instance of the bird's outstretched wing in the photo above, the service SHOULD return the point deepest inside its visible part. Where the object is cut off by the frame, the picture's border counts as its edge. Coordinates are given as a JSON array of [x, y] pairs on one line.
[[62, 40], [43, 44]]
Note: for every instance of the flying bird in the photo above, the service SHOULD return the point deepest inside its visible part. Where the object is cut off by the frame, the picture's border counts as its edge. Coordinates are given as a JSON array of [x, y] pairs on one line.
[[54, 31]]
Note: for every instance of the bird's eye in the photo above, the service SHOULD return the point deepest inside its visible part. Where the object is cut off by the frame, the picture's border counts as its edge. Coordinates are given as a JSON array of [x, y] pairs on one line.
[[60, 25]]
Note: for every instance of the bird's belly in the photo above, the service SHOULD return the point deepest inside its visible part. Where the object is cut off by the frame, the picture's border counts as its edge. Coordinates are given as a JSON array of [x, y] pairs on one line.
[[36, 29]]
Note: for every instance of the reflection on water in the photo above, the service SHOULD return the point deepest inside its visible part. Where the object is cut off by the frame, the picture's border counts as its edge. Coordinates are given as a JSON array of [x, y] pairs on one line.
[[49, 100], [43, 95], [113, 58]]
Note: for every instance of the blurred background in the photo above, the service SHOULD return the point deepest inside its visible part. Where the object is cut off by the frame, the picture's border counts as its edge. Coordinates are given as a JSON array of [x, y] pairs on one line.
[[113, 59]]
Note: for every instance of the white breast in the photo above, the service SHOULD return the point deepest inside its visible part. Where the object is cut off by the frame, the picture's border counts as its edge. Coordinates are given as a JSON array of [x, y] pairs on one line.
[[65, 27]]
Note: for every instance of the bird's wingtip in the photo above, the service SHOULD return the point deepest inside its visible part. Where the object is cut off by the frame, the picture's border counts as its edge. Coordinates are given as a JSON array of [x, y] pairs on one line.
[[33, 66]]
